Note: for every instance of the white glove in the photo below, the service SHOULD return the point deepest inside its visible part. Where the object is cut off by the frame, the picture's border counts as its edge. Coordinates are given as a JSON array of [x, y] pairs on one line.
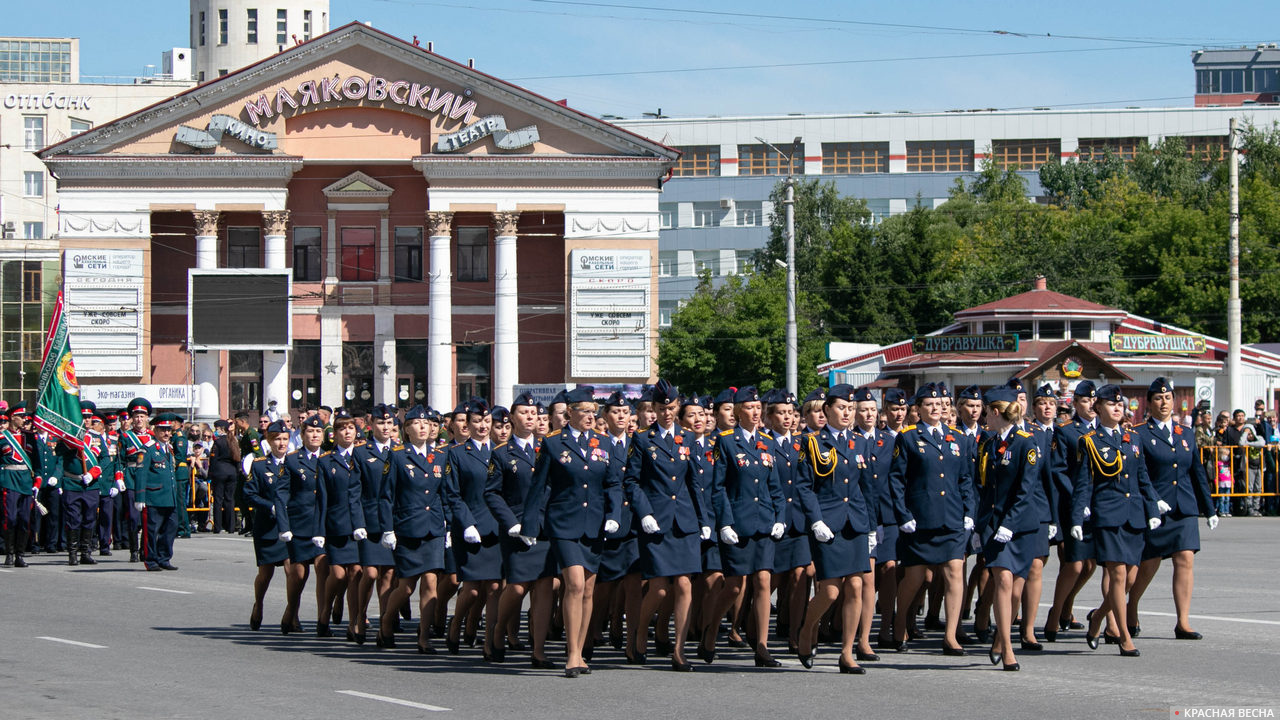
[[360, 534], [908, 527], [1213, 522], [286, 536], [1153, 523], [514, 530], [871, 542], [968, 523], [114, 492], [53, 482], [139, 505], [821, 532], [1003, 534], [777, 531], [471, 535], [318, 541], [610, 527], [87, 479], [728, 536], [448, 539], [388, 540], [1163, 506], [1077, 533], [649, 524], [119, 486], [706, 532], [1053, 531], [530, 541], [1087, 512]]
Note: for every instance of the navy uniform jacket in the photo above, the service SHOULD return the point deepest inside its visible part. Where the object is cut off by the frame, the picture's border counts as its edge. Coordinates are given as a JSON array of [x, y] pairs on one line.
[[510, 473], [419, 494], [1046, 493], [467, 474], [375, 473], [1009, 470], [835, 481], [340, 494], [1066, 465], [1175, 470], [157, 486], [879, 458], [300, 494], [930, 480], [703, 457], [573, 491], [786, 453], [262, 492], [661, 479], [1119, 493], [627, 521], [747, 491]]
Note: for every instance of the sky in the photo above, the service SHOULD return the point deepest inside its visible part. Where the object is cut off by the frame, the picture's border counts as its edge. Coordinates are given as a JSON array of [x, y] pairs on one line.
[[749, 57]]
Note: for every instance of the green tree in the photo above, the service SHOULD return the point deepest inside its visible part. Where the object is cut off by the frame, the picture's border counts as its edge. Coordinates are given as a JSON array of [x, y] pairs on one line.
[[735, 334], [820, 210]]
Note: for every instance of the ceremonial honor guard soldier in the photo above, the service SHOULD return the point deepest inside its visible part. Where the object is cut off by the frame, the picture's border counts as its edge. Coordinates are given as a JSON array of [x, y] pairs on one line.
[[1112, 483], [299, 492], [839, 506], [157, 497], [750, 511], [932, 488], [18, 485], [529, 568], [1075, 557], [575, 498], [1179, 477], [344, 525], [81, 468], [134, 442], [110, 486], [419, 495]]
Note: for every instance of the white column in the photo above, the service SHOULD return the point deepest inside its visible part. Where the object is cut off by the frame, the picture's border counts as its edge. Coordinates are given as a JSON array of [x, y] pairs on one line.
[[440, 375], [331, 257], [207, 366], [384, 355], [276, 223], [506, 335], [331, 356], [275, 363], [385, 243]]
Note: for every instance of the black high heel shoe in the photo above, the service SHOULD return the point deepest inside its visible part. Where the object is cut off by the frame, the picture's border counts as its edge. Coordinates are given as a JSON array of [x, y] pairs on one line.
[[681, 666], [469, 640], [351, 637], [1091, 641], [763, 661], [953, 651], [1135, 630], [285, 628], [993, 657], [255, 618], [851, 669], [663, 648], [541, 664], [636, 659], [1032, 646], [323, 631], [865, 656], [385, 641], [983, 634], [807, 660], [1180, 634], [1130, 653], [1011, 667], [359, 637], [426, 649], [452, 646], [1050, 635]]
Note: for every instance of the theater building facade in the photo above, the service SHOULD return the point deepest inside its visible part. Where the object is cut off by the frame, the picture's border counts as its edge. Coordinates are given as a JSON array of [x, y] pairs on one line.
[[442, 233]]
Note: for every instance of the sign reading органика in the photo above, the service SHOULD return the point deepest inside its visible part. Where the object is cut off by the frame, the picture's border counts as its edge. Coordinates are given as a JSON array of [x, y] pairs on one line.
[[450, 104]]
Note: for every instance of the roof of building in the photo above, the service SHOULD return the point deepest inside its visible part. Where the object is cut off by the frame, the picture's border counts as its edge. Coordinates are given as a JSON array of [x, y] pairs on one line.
[[1037, 300]]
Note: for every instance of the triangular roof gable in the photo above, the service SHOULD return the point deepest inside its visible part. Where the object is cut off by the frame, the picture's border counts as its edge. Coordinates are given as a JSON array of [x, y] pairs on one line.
[[357, 184], [1089, 358], [229, 94]]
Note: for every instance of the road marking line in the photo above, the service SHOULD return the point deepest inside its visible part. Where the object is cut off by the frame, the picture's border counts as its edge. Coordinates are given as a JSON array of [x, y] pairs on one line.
[[156, 589], [233, 539], [5, 571], [77, 643], [393, 701], [1200, 617]]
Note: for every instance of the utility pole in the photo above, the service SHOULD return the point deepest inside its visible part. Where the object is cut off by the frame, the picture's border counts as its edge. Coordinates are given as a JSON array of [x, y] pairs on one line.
[[793, 343], [1235, 392]]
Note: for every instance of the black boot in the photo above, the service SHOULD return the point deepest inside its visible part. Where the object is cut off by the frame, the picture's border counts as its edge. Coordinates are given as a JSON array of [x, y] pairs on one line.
[[73, 547], [8, 548], [88, 538], [133, 547]]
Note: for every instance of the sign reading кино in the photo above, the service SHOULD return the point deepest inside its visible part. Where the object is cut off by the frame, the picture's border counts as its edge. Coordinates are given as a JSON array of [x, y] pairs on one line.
[[356, 88]]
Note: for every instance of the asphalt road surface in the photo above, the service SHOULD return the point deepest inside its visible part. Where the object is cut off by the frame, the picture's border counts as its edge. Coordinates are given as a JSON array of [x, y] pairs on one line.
[[114, 641]]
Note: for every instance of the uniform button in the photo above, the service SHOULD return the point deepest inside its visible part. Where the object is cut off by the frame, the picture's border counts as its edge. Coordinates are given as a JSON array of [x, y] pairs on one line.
[[757, 480], [788, 499], [756, 499], [1175, 464], [673, 497], [1175, 482], [1126, 474], [626, 503], [1126, 494], [428, 492], [584, 504], [584, 486], [942, 492], [941, 458], [428, 507], [846, 482], [846, 499]]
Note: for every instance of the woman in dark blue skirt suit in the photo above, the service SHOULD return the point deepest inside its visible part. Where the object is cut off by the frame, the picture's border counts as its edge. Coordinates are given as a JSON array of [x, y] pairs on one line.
[[1112, 483], [934, 503], [270, 543], [420, 502], [1173, 464], [838, 495], [304, 517], [343, 517], [1009, 466]]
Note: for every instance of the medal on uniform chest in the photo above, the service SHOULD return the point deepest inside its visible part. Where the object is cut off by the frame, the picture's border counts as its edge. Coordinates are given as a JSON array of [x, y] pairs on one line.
[[564, 457], [742, 460], [766, 459]]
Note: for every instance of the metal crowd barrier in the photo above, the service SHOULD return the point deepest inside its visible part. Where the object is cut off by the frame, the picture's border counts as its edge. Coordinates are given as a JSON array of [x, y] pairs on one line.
[[1238, 463]]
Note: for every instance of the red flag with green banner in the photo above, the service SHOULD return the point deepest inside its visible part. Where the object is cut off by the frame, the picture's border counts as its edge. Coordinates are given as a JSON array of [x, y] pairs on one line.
[[58, 399]]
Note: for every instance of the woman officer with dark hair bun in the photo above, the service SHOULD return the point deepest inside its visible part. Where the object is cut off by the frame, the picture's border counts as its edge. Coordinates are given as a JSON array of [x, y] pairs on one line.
[[1112, 482], [1008, 467], [271, 534]]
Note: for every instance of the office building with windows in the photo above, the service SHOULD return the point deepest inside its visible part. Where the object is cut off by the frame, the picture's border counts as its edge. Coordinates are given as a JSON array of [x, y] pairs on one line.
[[227, 35], [1237, 76]]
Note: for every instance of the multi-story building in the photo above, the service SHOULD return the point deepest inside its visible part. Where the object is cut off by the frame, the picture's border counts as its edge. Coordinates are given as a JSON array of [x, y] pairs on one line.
[[716, 207], [227, 35], [1237, 76]]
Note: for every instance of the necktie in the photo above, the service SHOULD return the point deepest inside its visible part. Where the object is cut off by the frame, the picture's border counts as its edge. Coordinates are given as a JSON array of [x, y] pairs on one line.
[[582, 441], [937, 436]]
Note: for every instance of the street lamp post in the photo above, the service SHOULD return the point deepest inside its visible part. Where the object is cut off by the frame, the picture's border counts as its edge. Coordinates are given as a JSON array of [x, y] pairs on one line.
[[790, 202]]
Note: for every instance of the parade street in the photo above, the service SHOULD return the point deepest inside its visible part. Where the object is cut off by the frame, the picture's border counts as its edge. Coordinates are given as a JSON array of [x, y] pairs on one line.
[[113, 641]]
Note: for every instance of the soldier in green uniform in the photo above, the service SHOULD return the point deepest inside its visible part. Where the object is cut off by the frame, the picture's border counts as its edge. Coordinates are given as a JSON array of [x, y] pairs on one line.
[[17, 486], [157, 496], [182, 473], [110, 482], [134, 442]]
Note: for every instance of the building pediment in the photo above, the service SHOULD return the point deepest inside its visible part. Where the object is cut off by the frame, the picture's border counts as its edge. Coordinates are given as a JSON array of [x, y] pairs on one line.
[[358, 186], [359, 93]]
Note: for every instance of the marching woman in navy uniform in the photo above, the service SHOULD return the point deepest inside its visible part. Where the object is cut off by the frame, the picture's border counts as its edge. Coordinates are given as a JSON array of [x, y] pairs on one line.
[[618, 585], [933, 497], [1179, 478], [1009, 469], [1075, 557], [157, 496], [695, 417], [1044, 499], [839, 498], [661, 484], [792, 559], [1112, 484], [750, 513], [271, 534], [878, 456], [299, 492], [474, 532], [343, 512], [529, 568], [418, 494], [574, 499], [377, 565]]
